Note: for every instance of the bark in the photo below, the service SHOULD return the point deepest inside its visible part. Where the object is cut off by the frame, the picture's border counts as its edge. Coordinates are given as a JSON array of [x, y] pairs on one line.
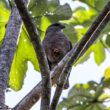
[[40, 54], [7, 51]]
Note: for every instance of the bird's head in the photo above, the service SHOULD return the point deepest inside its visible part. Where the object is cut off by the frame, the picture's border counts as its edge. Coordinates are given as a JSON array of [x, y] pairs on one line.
[[55, 27]]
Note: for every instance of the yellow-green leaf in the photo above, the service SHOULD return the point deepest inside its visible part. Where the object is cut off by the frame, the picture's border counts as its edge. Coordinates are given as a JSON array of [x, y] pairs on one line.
[[107, 73]]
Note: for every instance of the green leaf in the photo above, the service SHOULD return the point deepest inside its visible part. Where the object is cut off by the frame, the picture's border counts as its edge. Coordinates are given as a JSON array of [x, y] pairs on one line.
[[80, 90], [107, 73], [82, 15], [99, 52], [100, 4], [98, 106], [80, 107], [52, 4], [93, 3], [62, 12], [108, 108], [38, 7], [31, 4], [45, 22], [25, 52], [89, 107], [80, 31], [17, 73], [4, 16]]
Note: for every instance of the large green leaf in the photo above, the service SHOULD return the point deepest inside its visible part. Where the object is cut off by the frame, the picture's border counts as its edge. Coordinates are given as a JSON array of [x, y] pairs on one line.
[[25, 52]]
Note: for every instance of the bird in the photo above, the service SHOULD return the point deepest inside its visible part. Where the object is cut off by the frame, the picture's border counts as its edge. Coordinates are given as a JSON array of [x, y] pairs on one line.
[[56, 45]]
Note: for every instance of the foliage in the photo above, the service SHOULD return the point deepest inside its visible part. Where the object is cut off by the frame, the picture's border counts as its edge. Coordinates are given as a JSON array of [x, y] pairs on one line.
[[90, 96], [44, 12]]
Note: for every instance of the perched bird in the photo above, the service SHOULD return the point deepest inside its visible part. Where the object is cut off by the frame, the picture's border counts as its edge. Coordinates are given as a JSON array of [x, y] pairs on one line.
[[56, 46]]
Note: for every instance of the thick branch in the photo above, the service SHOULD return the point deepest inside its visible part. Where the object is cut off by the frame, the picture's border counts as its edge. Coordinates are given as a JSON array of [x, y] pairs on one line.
[[35, 39], [8, 49], [88, 39]]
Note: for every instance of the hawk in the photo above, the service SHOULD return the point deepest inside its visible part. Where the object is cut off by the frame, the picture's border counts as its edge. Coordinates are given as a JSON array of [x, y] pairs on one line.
[[56, 45]]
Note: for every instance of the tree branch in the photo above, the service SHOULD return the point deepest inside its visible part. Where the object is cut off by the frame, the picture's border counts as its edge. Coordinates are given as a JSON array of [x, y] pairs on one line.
[[35, 39], [88, 39], [7, 50]]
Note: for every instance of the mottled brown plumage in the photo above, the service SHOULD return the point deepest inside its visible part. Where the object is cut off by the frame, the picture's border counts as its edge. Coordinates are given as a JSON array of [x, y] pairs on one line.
[[56, 45]]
